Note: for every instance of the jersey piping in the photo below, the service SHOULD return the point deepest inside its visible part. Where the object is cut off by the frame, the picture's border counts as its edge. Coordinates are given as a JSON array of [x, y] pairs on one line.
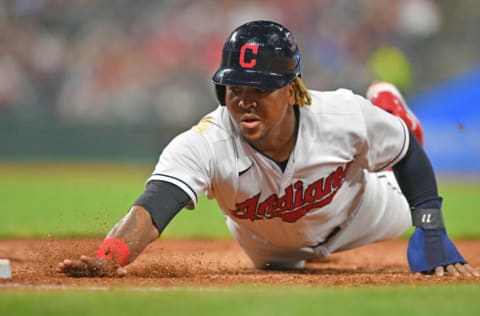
[[179, 182]]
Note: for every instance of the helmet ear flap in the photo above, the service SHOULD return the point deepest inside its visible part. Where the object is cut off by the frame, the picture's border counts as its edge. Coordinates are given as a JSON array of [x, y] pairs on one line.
[[220, 91]]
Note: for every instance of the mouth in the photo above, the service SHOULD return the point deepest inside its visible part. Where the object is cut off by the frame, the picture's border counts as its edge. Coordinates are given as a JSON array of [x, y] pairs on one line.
[[249, 121]]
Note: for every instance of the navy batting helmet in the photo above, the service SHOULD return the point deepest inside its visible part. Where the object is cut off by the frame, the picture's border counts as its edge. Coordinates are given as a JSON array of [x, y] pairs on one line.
[[260, 54]]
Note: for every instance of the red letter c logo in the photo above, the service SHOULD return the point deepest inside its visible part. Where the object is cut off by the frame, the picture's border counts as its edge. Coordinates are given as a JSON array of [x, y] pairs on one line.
[[253, 61]]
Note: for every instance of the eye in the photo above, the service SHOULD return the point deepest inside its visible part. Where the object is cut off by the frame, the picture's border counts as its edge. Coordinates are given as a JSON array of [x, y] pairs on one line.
[[263, 92], [234, 89]]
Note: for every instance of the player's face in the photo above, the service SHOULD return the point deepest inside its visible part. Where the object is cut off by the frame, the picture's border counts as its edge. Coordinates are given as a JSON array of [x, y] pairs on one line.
[[264, 117]]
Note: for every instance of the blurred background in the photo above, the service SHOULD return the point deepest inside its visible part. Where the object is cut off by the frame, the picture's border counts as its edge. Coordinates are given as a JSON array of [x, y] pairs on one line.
[[116, 80]]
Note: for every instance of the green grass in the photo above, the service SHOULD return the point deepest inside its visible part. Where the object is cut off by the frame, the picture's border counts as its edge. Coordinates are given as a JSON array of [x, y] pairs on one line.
[[451, 300], [61, 200], [461, 205]]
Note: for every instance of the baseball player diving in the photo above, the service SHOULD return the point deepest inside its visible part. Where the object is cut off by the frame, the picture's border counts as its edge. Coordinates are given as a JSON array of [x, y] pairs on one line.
[[298, 173]]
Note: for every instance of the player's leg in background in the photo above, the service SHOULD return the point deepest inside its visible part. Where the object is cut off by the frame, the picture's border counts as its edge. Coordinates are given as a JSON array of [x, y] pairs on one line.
[[387, 97]]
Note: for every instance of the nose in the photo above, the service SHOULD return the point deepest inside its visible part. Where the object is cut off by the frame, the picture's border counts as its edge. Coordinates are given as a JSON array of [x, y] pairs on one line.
[[246, 102]]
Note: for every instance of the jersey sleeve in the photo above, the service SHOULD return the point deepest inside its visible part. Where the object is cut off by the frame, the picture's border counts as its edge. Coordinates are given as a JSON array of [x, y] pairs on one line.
[[387, 138], [185, 162]]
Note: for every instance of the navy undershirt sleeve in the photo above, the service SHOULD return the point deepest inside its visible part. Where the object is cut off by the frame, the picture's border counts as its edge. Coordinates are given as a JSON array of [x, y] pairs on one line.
[[416, 177], [163, 201]]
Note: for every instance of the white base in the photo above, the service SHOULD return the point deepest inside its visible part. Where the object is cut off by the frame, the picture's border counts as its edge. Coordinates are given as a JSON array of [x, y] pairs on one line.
[[5, 270]]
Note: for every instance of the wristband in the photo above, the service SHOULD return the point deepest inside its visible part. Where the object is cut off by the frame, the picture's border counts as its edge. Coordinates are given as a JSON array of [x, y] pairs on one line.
[[114, 249], [428, 218]]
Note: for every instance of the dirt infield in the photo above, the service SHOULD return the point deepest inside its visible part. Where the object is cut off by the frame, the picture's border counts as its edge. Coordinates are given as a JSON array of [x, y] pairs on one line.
[[204, 263]]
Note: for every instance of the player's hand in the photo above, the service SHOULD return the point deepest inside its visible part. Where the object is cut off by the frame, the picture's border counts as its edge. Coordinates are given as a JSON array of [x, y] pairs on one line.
[[430, 251], [457, 270], [88, 267]]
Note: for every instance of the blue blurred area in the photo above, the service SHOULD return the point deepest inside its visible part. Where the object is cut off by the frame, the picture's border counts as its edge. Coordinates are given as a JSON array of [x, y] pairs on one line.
[[450, 116]]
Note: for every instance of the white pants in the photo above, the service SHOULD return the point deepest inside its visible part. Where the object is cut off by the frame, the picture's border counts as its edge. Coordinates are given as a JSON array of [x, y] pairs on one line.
[[383, 214]]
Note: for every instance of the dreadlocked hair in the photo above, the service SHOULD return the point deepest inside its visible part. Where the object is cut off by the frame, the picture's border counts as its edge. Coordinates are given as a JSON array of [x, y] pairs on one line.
[[302, 96]]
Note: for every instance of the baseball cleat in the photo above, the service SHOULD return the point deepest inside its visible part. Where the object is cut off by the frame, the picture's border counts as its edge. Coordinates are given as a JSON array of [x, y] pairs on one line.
[[387, 97]]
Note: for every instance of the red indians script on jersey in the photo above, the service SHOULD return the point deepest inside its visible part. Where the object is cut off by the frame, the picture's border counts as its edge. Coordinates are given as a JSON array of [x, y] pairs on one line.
[[297, 201]]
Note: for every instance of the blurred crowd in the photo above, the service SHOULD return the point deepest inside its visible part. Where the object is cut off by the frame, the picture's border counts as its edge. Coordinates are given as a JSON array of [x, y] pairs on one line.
[[145, 61]]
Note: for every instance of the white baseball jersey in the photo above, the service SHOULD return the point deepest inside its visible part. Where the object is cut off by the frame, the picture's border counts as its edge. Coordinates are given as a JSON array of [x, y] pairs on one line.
[[341, 138]]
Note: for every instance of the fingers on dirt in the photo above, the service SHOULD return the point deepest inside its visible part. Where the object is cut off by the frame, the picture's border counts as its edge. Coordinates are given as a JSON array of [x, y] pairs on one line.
[[473, 271], [439, 271]]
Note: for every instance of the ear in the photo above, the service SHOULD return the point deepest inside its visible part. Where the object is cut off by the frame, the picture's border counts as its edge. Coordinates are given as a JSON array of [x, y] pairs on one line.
[[291, 90]]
